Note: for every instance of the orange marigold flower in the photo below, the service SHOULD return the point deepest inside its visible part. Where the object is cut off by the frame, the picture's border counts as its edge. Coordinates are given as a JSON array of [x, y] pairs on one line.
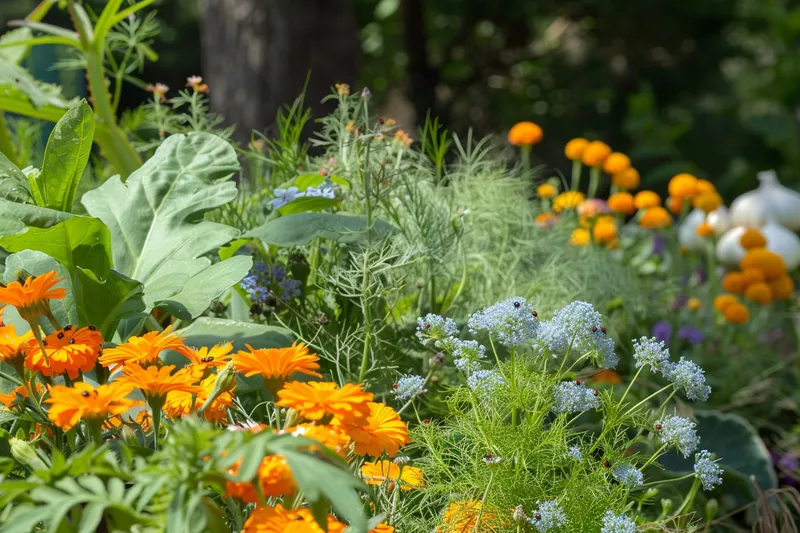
[[604, 232], [607, 376], [752, 238], [215, 357], [704, 186], [380, 472], [382, 431], [722, 301], [525, 134], [736, 313], [567, 200], [145, 350], [274, 476], [655, 217], [770, 263], [156, 382], [595, 154], [628, 179], [574, 148], [694, 304], [382, 528], [645, 199], [751, 276], [733, 282], [616, 163], [279, 520], [682, 186], [332, 437], [276, 365], [675, 205], [32, 298], [179, 403], [544, 220], [782, 288], [343, 89], [460, 517], [759, 293], [580, 237], [621, 202], [404, 138], [67, 351], [13, 347], [68, 405], [8, 399], [707, 202], [546, 190], [316, 400], [705, 230]]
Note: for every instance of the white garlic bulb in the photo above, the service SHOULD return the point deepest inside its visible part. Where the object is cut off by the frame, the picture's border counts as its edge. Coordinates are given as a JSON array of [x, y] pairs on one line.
[[687, 232], [729, 251], [720, 220], [783, 242], [770, 200]]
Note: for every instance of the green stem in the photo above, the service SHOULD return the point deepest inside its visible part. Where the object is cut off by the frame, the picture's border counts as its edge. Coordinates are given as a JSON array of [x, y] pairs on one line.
[[689, 498], [662, 481], [96, 432], [656, 393], [635, 377], [37, 334], [525, 152], [652, 458], [6, 143], [155, 407], [594, 181], [577, 167], [10, 378], [365, 275]]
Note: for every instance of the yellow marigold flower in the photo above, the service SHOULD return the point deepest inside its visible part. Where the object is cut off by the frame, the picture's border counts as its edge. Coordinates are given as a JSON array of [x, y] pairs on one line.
[[733, 282], [752, 238], [675, 205], [544, 220], [574, 148], [315, 400], [722, 301], [145, 350], [214, 357], [622, 202], [770, 263], [567, 200], [279, 520], [157, 382], [380, 472], [332, 437], [343, 89], [782, 287], [645, 199], [736, 313], [546, 190], [705, 230], [8, 399], [707, 202], [463, 516], [13, 348], [382, 431], [704, 186], [759, 293], [616, 163], [67, 351], [655, 217], [580, 237], [694, 304], [525, 134], [607, 376], [628, 179], [277, 365], [179, 403], [604, 232], [68, 405], [32, 298], [595, 154], [682, 186]]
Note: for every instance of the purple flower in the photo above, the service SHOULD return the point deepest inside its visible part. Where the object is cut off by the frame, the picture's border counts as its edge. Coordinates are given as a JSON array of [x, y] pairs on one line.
[[658, 245], [691, 334], [662, 330], [678, 303]]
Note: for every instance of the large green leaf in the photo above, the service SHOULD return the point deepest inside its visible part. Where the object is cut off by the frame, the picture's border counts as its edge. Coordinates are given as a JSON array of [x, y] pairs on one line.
[[301, 228], [207, 331], [158, 234], [65, 157], [15, 217], [308, 204], [105, 302], [13, 182], [18, 84], [77, 241]]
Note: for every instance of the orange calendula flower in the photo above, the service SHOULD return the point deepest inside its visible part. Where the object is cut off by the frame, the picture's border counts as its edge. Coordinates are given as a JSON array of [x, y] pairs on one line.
[[682, 186], [675, 205], [68, 405], [216, 357], [567, 200], [525, 134], [733, 282], [628, 179], [759, 293], [274, 476], [382, 528], [621, 202], [316, 400], [32, 298], [770, 263], [595, 154], [179, 403], [655, 217], [574, 148], [157, 382], [380, 472], [463, 517], [645, 199], [67, 351], [736, 313], [332, 437], [722, 301], [144, 350], [782, 288], [142, 419], [580, 237], [604, 232], [8, 399], [13, 347], [277, 365], [382, 431], [608, 376], [616, 163], [279, 520]]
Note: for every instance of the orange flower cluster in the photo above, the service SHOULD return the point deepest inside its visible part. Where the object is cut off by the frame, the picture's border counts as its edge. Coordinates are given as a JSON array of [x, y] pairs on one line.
[[686, 190]]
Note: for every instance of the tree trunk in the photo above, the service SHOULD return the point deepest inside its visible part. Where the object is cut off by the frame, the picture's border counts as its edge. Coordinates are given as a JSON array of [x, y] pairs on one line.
[[423, 78], [257, 54]]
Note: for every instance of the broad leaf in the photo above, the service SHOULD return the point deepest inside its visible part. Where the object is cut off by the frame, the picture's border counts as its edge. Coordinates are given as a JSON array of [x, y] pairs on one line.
[[158, 234], [13, 182], [105, 302], [14, 217], [304, 181], [65, 157], [207, 331], [308, 203], [302, 228]]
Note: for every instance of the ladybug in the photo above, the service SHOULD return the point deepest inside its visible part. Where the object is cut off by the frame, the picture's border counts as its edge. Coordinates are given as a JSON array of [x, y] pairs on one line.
[[426, 421], [427, 326], [92, 328], [538, 516], [381, 120], [210, 358], [395, 386], [67, 328], [658, 427], [594, 329], [603, 330], [596, 393], [606, 464], [60, 335], [298, 518], [535, 314], [71, 341], [488, 455], [517, 304], [577, 382]]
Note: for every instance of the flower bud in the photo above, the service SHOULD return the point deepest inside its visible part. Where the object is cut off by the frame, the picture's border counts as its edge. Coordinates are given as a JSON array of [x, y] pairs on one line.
[[519, 513], [226, 380], [666, 506], [712, 506], [26, 455]]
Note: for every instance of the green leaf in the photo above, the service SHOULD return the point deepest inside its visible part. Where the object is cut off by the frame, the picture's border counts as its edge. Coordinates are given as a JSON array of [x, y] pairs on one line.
[[13, 182], [308, 203], [36, 263], [304, 181], [207, 331], [9, 50], [18, 84], [78, 241], [105, 302], [65, 157], [302, 228], [158, 233], [14, 217]]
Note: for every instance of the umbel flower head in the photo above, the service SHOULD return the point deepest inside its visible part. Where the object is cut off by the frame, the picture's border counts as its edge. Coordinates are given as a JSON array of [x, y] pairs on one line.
[[382, 431], [145, 350], [577, 329], [433, 329], [651, 352], [679, 432], [512, 321], [689, 376], [380, 472], [67, 351], [68, 405], [617, 523], [409, 386], [485, 382], [628, 475], [548, 515], [708, 471], [277, 365], [32, 298], [570, 397], [316, 400]]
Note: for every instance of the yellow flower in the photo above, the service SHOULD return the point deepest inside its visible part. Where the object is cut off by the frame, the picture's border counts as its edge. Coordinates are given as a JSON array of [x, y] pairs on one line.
[[707, 202], [379, 472], [705, 230], [682, 186], [628, 179], [694, 304], [655, 217], [574, 148], [179, 403], [544, 220], [604, 232], [464, 517], [332, 437], [621, 202], [595, 154], [155, 383], [382, 431], [343, 89], [616, 163], [580, 237], [206, 358], [13, 347], [525, 134], [567, 200], [645, 199], [68, 405], [722, 301], [279, 520], [704, 186], [403, 138], [546, 190]]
